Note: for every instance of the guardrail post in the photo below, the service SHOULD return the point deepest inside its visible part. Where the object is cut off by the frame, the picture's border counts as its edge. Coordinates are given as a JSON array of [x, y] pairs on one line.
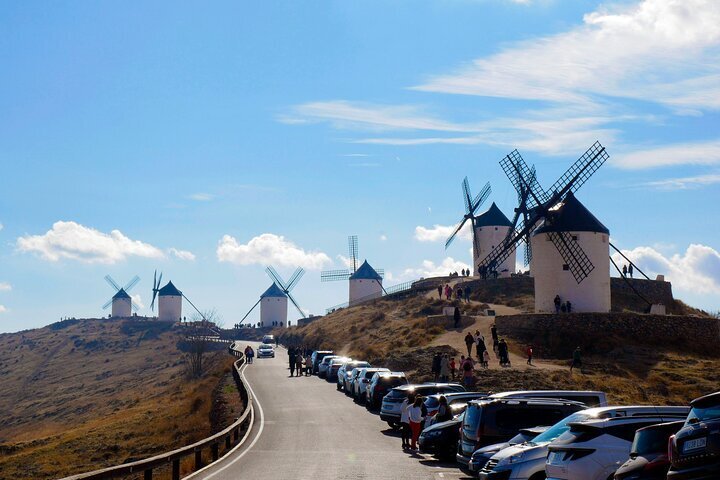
[[148, 474], [176, 469], [236, 434], [198, 459], [215, 451], [227, 443]]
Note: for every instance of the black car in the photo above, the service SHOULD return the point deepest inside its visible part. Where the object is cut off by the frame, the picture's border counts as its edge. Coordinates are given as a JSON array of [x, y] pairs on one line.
[[648, 454], [695, 449], [380, 385], [441, 438]]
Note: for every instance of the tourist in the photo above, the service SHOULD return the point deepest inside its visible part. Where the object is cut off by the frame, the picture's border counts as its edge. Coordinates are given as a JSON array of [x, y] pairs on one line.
[[630, 270], [469, 342], [291, 359], [299, 364], [467, 294], [456, 317], [440, 289], [308, 363], [405, 421], [448, 292], [444, 413], [563, 307], [453, 367], [415, 416], [557, 303], [577, 360], [624, 270], [486, 359], [568, 306], [529, 354], [468, 374], [503, 353], [459, 293], [436, 366], [493, 332], [480, 346], [444, 368]]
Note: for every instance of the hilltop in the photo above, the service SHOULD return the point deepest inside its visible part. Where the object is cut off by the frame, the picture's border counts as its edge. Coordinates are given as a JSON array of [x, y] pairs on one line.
[[78, 395]]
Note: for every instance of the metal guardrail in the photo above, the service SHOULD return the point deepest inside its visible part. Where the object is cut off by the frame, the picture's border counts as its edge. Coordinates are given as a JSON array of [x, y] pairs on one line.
[[390, 291], [230, 437]]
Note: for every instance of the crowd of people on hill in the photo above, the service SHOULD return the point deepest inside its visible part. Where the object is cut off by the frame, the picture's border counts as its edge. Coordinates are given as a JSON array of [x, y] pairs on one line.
[[458, 293], [562, 306]]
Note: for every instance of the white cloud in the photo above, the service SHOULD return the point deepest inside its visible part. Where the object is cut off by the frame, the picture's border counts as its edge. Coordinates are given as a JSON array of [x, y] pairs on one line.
[[3, 309], [700, 153], [428, 269], [182, 254], [270, 249], [201, 197], [383, 238], [5, 287], [651, 50], [695, 271], [440, 233], [1, 226], [684, 183], [137, 299], [70, 240]]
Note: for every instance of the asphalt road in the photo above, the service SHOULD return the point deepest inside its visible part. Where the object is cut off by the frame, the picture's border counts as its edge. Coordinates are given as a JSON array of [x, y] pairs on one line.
[[306, 430]]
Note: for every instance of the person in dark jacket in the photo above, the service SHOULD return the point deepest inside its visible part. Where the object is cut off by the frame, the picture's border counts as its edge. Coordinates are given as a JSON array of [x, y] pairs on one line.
[[456, 317], [469, 342], [443, 414], [436, 366], [292, 360], [440, 289]]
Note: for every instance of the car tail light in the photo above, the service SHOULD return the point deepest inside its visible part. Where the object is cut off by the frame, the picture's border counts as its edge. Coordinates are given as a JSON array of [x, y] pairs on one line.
[[671, 453]]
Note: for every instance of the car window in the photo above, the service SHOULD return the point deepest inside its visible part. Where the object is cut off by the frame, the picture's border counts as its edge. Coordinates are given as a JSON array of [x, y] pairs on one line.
[[653, 440], [704, 413], [627, 431], [559, 428]]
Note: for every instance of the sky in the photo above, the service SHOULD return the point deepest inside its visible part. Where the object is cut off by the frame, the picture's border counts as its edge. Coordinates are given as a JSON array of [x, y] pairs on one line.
[[208, 141]]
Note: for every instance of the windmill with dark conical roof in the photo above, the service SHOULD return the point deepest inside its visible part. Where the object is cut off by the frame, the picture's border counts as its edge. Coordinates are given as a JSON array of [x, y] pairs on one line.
[[365, 282], [169, 301], [122, 304], [274, 301]]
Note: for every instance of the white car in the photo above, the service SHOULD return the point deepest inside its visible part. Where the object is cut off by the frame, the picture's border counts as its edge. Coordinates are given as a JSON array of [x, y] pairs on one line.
[[266, 351], [526, 461], [595, 449]]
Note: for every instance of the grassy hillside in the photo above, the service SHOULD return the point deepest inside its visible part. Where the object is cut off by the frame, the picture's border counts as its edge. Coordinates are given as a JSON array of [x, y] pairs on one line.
[[80, 395]]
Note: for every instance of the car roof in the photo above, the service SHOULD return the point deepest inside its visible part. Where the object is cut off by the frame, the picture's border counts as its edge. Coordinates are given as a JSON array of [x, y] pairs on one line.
[[413, 386], [607, 422], [323, 351], [452, 395], [635, 410], [376, 369], [525, 400], [390, 374]]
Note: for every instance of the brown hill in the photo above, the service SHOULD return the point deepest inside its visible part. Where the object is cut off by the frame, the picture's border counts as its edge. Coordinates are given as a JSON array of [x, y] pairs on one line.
[[80, 394]]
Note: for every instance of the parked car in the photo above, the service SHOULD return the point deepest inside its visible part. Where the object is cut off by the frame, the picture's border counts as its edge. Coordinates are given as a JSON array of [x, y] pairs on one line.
[[324, 364], [649, 453], [481, 456], [456, 409], [528, 460], [695, 449], [363, 380], [350, 380], [333, 367], [266, 351], [390, 409], [346, 369], [440, 439], [317, 357], [432, 402], [380, 384], [495, 420], [594, 449]]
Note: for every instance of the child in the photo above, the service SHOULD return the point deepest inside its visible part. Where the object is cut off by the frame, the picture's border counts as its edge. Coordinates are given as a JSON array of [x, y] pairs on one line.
[[529, 354], [486, 359], [453, 367]]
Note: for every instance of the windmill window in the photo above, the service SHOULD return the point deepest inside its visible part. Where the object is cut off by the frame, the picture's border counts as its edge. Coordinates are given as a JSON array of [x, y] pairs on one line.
[[496, 229], [574, 237], [566, 267]]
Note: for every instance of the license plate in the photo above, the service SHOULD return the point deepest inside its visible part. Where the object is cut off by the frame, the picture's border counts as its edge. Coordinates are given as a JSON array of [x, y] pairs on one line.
[[556, 458], [695, 444]]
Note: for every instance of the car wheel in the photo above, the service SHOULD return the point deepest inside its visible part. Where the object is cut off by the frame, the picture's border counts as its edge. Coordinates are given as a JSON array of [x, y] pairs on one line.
[[540, 476]]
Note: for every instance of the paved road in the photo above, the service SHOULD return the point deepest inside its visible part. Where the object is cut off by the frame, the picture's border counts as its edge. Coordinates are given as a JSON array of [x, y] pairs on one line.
[[306, 430]]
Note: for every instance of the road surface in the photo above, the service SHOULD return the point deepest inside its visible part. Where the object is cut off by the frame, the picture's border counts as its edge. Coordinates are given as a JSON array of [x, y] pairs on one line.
[[306, 430]]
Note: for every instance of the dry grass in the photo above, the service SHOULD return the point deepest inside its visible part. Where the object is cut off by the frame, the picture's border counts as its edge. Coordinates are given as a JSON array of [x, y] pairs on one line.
[[95, 393]]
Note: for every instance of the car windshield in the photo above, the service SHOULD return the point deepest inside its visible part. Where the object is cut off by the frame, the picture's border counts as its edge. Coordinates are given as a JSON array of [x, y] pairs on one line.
[[701, 414], [559, 428], [652, 440]]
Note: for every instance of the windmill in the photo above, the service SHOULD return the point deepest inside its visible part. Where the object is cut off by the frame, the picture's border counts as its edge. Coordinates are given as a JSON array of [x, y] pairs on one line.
[[169, 301], [273, 302], [471, 206], [364, 282], [122, 304]]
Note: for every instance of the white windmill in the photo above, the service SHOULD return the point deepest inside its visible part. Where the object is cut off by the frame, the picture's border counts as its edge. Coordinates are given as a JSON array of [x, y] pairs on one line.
[[365, 283], [169, 301], [122, 304], [274, 301]]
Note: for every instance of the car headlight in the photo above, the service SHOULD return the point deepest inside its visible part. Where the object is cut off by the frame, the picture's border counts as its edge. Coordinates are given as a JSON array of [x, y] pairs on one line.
[[515, 458]]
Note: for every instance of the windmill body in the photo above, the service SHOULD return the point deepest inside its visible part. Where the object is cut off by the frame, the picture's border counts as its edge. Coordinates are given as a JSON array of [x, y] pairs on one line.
[[121, 304], [491, 230], [365, 284], [170, 303], [273, 306], [553, 276]]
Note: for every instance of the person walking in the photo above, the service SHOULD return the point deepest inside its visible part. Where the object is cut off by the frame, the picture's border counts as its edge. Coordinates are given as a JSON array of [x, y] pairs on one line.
[[529, 354], [443, 414], [486, 360], [456, 317], [308, 363], [448, 292], [576, 360], [436, 366], [480, 346], [503, 352], [557, 303], [291, 359], [405, 421], [469, 342], [468, 373], [444, 368], [467, 294], [440, 292], [299, 364], [453, 367], [630, 270], [459, 293], [415, 415], [493, 333]]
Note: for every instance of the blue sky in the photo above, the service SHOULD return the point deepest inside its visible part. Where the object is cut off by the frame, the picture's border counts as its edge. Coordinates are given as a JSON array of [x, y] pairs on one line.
[[208, 141]]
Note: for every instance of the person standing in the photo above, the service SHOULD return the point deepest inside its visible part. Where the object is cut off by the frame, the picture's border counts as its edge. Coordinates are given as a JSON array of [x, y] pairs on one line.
[[405, 421], [443, 414], [469, 342], [440, 292], [467, 294], [308, 364], [453, 367], [529, 354], [459, 293], [486, 359], [468, 373], [503, 352], [456, 317], [493, 332], [415, 416], [577, 360], [480, 346], [624, 270], [299, 364], [557, 301], [436, 366], [444, 368], [448, 292], [291, 359], [630, 270]]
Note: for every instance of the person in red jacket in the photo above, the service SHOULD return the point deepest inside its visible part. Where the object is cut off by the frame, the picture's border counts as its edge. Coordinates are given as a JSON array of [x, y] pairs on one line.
[[529, 354]]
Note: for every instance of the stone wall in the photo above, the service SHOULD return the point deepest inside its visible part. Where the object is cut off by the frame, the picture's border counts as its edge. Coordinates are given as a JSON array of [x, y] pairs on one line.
[[623, 297], [597, 333]]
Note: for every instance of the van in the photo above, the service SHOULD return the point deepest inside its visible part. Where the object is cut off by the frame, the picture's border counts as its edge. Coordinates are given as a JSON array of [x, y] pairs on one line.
[[588, 397], [495, 420]]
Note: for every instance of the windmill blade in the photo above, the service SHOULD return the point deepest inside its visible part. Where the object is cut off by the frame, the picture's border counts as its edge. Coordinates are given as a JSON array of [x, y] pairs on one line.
[[131, 283], [135, 306], [155, 280], [381, 286], [353, 250], [112, 283], [275, 276], [295, 279], [573, 255], [296, 305], [152, 304], [466, 195], [249, 311], [579, 172], [476, 244], [334, 275], [527, 254], [193, 305], [109, 302], [522, 177], [159, 281], [455, 232], [480, 198]]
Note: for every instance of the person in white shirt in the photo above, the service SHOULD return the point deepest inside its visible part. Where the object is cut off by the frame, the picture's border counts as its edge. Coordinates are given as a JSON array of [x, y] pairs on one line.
[[405, 421], [415, 415]]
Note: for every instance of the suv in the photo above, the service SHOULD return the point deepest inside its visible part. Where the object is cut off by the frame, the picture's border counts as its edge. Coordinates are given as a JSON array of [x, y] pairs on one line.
[[390, 409], [648, 454], [495, 420], [594, 449], [325, 364], [346, 369], [379, 385], [265, 350], [317, 357], [695, 449], [528, 461], [333, 368], [363, 380]]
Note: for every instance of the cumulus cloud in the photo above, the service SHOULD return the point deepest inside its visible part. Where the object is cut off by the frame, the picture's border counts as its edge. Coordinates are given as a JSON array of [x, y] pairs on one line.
[[5, 287], [428, 268], [3, 309], [72, 241], [440, 233], [137, 300], [182, 254], [1, 226], [271, 249], [383, 238], [697, 270]]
